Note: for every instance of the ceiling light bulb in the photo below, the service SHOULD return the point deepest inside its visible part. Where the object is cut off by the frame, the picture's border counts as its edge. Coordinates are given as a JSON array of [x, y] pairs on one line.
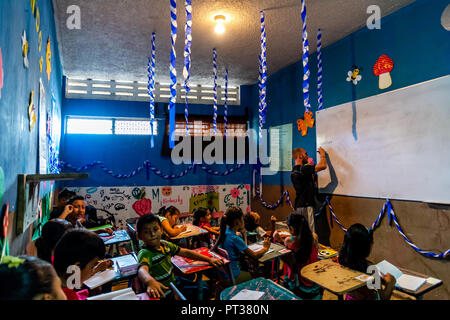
[[220, 21], [220, 28]]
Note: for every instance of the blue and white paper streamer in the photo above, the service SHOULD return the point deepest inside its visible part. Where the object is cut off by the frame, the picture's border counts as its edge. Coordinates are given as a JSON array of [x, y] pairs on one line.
[[263, 72], [187, 59], [215, 90], [305, 59], [151, 87], [319, 70], [225, 115], [173, 73], [387, 207]]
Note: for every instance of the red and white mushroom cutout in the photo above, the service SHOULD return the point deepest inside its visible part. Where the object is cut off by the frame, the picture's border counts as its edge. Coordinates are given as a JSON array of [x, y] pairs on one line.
[[382, 67]]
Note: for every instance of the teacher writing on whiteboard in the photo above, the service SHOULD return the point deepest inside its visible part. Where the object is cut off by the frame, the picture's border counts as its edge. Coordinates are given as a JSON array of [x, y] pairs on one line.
[[302, 177]]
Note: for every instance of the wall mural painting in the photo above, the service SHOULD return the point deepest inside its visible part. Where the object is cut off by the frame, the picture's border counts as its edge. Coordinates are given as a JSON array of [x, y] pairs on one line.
[[129, 202]]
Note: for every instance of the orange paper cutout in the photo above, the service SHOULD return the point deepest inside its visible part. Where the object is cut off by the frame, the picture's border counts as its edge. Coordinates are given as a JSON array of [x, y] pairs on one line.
[[303, 124]]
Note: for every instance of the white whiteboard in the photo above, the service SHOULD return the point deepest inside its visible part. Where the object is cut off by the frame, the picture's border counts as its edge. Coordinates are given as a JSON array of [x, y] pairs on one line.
[[394, 145]]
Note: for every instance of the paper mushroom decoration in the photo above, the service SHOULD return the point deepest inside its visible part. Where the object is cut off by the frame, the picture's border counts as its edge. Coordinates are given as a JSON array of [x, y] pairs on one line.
[[382, 67]]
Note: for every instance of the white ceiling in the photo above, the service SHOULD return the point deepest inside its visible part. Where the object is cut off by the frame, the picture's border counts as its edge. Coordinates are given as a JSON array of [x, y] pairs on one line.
[[114, 40]]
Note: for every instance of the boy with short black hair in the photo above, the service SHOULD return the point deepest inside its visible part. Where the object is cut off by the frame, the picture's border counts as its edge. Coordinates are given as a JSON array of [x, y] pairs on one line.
[[155, 266]]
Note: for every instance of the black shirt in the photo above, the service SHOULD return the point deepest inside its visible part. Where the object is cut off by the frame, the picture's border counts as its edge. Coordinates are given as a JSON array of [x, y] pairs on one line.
[[302, 177]]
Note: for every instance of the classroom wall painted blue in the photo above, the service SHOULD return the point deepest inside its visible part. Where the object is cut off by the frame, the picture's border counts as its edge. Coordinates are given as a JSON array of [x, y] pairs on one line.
[[123, 154], [412, 36], [19, 146]]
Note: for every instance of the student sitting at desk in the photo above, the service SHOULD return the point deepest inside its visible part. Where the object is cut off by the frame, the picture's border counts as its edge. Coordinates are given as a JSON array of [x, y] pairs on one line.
[[202, 219], [75, 211], [169, 218], [305, 251], [231, 223], [84, 249], [252, 220], [28, 278], [52, 231], [356, 248], [155, 266]]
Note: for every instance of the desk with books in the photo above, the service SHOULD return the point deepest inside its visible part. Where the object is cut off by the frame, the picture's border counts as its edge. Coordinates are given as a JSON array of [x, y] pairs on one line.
[[257, 289]]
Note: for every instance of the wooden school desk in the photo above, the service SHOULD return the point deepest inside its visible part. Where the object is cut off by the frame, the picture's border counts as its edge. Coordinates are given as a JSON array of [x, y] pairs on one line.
[[426, 287], [333, 277], [276, 254], [272, 290], [113, 240], [189, 267]]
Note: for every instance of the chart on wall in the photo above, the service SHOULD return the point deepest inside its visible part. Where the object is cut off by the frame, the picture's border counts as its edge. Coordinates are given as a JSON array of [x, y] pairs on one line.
[[129, 202]]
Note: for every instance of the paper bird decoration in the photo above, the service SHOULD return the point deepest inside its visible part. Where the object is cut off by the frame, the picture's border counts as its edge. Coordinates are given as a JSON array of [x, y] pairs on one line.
[[31, 111], [48, 59], [306, 122], [25, 49]]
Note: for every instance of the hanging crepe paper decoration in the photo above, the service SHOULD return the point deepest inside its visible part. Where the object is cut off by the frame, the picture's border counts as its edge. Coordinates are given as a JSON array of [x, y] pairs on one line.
[[31, 111], [215, 90], [382, 67], [305, 59], [25, 49], [319, 70], [353, 75], [173, 73], [263, 76], [1, 73], [306, 122], [225, 115], [48, 59], [151, 87], [5, 244], [187, 59]]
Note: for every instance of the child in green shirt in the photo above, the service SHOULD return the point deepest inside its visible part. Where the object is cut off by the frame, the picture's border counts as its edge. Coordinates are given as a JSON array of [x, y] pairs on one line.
[[155, 266]]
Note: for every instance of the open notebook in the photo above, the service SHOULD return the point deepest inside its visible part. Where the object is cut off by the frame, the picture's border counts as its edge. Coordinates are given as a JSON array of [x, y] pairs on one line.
[[404, 281], [124, 294], [257, 247]]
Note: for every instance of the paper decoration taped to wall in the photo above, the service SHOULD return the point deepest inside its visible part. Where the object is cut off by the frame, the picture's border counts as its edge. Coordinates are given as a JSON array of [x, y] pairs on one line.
[[38, 19], [1, 73], [143, 206], [40, 41], [305, 122], [382, 67], [25, 49], [33, 6], [48, 59], [41, 63], [354, 76], [445, 18], [31, 111], [208, 200]]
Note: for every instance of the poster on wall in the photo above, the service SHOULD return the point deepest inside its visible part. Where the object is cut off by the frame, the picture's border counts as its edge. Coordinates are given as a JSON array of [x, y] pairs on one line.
[[281, 148], [42, 130], [130, 202]]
